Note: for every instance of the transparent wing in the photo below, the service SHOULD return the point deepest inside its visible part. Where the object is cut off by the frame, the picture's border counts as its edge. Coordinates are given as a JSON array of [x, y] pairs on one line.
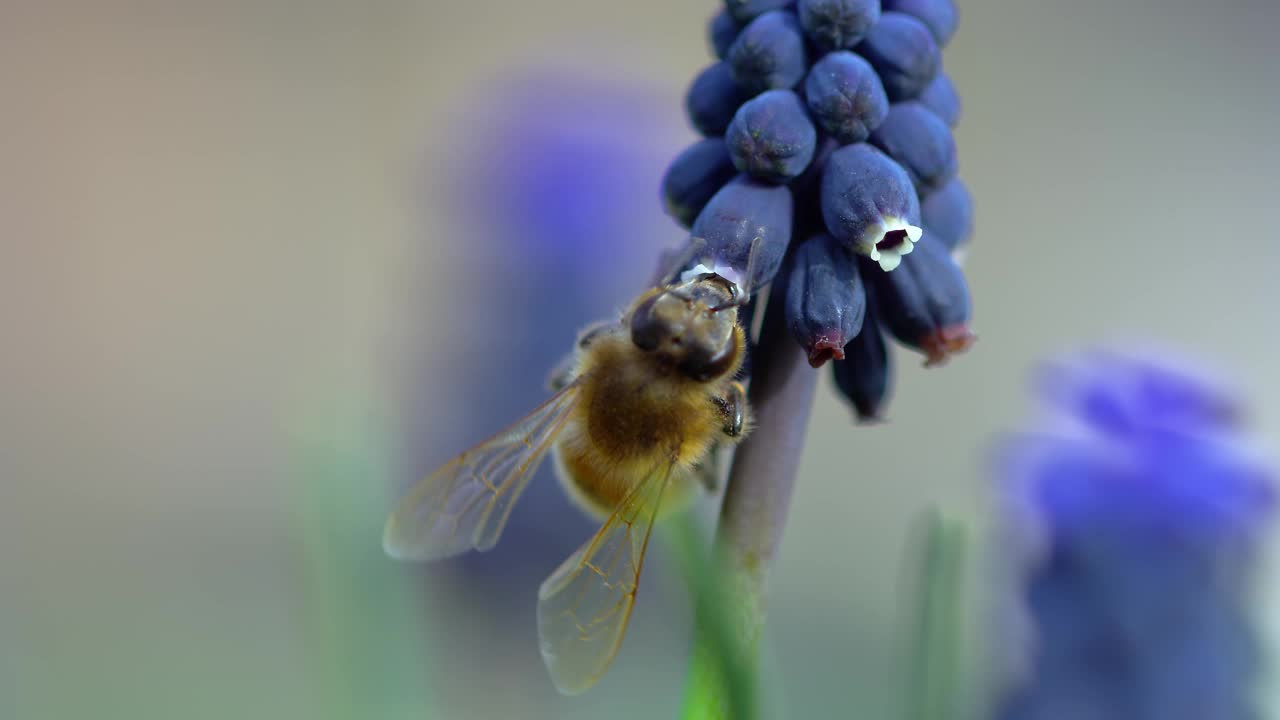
[[465, 504], [584, 606]]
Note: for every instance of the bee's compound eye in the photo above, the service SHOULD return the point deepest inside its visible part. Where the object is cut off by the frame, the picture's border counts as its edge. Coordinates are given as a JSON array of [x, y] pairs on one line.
[[646, 330], [704, 362]]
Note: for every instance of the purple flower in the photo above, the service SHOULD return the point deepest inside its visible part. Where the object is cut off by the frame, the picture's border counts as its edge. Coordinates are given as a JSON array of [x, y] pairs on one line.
[[548, 224], [1141, 505]]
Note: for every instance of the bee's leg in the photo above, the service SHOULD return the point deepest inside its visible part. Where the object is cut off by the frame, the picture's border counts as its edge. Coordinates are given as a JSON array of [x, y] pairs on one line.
[[708, 469], [562, 375], [733, 410], [593, 332]]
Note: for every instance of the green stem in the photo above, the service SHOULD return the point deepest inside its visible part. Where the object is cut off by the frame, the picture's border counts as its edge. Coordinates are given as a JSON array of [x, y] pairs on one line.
[[934, 667], [730, 680], [752, 517]]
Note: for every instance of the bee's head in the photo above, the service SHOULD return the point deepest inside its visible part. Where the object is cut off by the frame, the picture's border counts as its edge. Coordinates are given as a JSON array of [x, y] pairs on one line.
[[690, 325]]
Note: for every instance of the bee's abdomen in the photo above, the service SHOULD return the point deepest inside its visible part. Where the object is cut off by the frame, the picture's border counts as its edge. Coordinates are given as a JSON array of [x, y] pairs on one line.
[[632, 421]]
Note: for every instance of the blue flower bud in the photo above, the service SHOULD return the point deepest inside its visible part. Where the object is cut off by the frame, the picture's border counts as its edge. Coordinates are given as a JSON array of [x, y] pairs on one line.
[[869, 204], [865, 376], [825, 299], [940, 16], [904, 53], [837, 24], [722, 30], [694, 177], [1138, 512], [947, 214], [712, 100], [941, 98], [748, 10], [920, 142], [925, 303], [771, 137], [730, 224], [846, 97], [769, 53]]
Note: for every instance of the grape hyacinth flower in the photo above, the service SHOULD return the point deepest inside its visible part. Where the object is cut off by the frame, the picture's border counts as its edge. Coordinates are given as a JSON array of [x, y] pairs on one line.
[[939, 16], [694, 177], [826, 302], [837, 117], [865, 376], [771, 136], [721, 32], [904, 52], [920, 142], [837, 24], [1139, 507], [713, 98], [746, 216], [870, 205], [947, 214], [941, 97], [769, 53], [925, 303], [845, 96]]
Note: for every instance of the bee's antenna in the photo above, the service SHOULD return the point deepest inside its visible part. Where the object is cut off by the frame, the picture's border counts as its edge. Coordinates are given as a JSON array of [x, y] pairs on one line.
[[747, 287]]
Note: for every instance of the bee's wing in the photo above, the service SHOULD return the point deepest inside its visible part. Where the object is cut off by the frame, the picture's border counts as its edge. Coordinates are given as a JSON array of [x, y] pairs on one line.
[[465, 504], [584, 606]]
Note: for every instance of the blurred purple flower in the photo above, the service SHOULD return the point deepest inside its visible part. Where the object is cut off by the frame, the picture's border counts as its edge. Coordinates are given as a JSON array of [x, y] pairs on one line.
[[558, 168], [1142, 506], [548, 186]]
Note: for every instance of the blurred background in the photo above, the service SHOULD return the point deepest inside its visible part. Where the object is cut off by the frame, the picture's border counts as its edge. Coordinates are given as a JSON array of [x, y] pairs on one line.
[[264, 264]]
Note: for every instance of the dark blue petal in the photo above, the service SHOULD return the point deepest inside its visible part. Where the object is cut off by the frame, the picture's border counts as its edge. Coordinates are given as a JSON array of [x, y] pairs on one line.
[[941, 98], [869, 204], [769, 53], [947, 214], [694, 177], [920, 142], [846, 97], [865, 376], [721, 32], [712, 100], [825, 299], [940, 16], [925, 303], [747, 10], [743, 213], [837, 24], [771, 137], [905, 54]]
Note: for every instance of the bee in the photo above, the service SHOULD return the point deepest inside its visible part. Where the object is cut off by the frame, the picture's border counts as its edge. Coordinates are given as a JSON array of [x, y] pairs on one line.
[[634, 426]]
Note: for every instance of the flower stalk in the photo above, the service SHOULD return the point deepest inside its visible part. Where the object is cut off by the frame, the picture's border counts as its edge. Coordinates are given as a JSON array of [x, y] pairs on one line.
[[754, 514]]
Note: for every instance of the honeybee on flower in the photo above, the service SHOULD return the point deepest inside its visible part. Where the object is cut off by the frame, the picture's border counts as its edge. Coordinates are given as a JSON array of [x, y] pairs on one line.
[[634, 425]]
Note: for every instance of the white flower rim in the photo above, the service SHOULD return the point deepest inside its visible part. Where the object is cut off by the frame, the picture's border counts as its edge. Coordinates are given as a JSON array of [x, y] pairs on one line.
[[724, 271], [888, 258]]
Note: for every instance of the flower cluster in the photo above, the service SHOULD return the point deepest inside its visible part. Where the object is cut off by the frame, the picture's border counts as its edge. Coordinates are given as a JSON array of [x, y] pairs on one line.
[[829, 121], [1139, 507]]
